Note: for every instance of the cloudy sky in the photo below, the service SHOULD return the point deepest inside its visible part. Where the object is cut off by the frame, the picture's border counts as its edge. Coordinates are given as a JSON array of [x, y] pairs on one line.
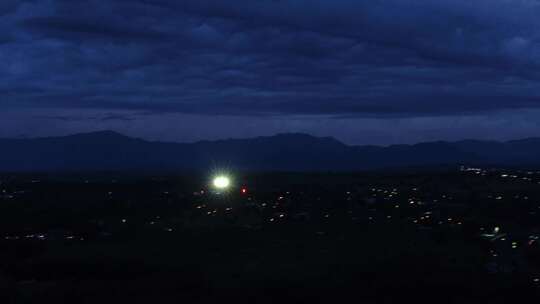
[[365, 72]]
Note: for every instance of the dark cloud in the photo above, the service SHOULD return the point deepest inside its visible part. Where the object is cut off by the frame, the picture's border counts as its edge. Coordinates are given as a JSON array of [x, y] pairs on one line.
[[102, 117], [72, 28], [344, 58], [8, 6], [117, 117]]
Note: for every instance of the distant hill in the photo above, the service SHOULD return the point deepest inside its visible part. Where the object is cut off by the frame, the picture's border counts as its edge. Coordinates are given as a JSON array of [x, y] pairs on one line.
[[107, 150]]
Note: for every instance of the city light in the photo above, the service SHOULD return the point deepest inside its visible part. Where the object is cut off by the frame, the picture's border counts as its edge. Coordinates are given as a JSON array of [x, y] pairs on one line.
[[221, 182]]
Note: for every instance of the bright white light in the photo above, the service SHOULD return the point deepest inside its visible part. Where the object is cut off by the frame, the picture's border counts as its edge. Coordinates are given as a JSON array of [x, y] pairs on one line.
[[221, 182]]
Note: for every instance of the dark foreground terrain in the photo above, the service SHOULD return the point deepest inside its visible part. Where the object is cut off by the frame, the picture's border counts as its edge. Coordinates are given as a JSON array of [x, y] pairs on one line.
[[460, 236]]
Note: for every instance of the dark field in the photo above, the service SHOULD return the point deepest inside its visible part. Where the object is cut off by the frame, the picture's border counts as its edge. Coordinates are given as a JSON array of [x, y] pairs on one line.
[[455, 236]]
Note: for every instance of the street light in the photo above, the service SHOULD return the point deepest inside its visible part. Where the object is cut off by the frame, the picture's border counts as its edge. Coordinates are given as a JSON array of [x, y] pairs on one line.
[[221, 182]]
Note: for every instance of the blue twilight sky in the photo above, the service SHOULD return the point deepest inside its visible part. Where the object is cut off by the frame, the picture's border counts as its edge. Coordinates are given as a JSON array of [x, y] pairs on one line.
[[365, 72]]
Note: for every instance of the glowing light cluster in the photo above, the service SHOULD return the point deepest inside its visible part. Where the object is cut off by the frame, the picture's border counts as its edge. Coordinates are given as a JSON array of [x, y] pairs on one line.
[[221, 182]]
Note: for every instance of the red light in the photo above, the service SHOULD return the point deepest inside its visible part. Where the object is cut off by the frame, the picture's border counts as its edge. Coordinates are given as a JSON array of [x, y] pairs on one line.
[[244, 190]]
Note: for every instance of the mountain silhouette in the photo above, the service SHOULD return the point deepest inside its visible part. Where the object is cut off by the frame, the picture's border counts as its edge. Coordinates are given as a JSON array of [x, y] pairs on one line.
[[108, 150]]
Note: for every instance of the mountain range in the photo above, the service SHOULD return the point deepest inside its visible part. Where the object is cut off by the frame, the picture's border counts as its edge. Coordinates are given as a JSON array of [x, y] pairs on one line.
[[108, 150]]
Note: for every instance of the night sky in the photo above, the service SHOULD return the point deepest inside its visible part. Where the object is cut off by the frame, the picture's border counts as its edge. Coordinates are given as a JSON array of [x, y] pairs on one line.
[[365, 72]]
